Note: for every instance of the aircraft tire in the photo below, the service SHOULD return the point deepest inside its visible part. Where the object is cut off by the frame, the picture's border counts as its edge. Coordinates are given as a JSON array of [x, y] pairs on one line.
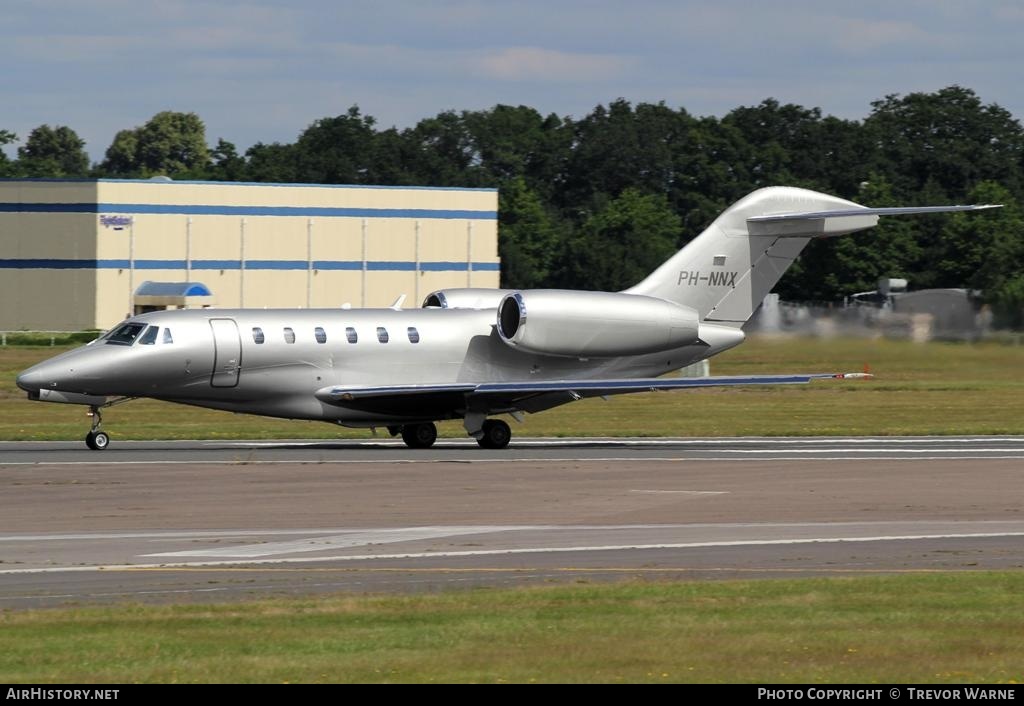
[[97, 440], [419, 436], [496, 434]]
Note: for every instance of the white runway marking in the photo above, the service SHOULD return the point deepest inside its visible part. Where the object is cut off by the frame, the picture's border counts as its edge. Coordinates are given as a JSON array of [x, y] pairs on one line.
[[529, 450], [681, 492], [352, 538], [626, 441], [518, 550]]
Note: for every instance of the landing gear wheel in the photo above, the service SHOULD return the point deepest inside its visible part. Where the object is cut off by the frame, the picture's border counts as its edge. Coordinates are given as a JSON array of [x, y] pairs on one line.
[[97, 440], [496, 435], [419, 436]]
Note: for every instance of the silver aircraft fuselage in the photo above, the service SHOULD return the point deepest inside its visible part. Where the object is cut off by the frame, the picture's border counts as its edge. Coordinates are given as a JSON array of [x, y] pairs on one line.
[[272, 362]]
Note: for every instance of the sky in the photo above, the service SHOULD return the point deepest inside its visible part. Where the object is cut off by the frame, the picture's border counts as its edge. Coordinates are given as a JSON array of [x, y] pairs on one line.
[[262, 71]]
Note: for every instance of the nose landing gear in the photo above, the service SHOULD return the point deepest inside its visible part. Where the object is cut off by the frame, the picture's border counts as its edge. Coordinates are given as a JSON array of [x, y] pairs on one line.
[[96, 440]]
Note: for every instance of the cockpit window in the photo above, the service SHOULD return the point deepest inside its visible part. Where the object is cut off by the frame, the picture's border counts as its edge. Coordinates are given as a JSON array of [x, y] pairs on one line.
[[124, 335], [168, 338], [149, 337]]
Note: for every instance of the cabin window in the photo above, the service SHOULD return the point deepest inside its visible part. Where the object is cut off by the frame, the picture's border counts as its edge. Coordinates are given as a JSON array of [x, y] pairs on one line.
[[321, 335], [382, 334], [289, 335], [124, 335], [149, 337], [351, 335], [168, 338], [257, 335], [414, 335]]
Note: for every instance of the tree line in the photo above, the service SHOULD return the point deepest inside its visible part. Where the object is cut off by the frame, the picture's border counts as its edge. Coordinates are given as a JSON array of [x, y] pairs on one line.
[[597, 202]]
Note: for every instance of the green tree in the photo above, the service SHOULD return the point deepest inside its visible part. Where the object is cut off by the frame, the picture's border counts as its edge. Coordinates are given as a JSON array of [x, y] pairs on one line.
[[53, 152], [981, 250], [622, 243], [711, 172], [338, 150], [1008, 303], [617, 148], [513, 142], [121, 160], [949, 138], [442, 152], [528, 237], [795, 146], [170, 143], [830, 269], [6, 166], [393, 160], [228, 165], [276, 163]]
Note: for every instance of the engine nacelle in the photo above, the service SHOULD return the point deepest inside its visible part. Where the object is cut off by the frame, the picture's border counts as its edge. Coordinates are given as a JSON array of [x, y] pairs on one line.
[[593, 324], [466, 298]]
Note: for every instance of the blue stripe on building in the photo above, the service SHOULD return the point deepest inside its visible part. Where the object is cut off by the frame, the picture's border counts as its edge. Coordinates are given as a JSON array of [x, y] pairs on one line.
[[350, 265], [216, 210]]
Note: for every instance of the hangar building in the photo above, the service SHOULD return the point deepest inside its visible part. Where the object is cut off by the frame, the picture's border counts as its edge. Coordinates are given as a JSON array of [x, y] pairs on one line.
[[82, 254]]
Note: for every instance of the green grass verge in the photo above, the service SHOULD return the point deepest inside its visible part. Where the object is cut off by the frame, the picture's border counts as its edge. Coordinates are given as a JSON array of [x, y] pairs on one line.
[[936, 388], [949, 627]]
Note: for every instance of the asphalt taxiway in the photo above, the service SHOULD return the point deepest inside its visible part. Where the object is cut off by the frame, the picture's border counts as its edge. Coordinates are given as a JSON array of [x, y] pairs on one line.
[[167, 521]]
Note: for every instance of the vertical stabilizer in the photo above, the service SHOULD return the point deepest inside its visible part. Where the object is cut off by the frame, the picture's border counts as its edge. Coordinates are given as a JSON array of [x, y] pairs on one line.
[[727, 270]]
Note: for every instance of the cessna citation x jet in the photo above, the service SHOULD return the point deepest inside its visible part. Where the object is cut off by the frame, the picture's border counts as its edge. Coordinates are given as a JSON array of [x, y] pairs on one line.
[[467, 353]]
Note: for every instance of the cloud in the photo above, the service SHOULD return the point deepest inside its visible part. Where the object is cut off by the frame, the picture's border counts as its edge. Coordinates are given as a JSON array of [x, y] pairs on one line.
[[868, 37], [537, 64]]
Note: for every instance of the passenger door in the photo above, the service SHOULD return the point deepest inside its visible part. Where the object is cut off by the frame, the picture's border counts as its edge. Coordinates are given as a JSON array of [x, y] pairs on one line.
[[227, 353]]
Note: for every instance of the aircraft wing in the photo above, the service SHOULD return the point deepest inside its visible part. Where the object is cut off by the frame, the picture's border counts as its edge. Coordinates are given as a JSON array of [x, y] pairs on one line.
[[533, 396]]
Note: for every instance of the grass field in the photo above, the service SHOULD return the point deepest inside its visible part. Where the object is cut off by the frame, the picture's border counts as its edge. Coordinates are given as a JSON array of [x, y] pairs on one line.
[[951, 627], [936, 388]]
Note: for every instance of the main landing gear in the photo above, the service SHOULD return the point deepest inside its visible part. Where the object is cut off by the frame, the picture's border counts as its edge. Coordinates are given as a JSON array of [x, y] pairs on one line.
[[494, 434], [96, 440], [419, 436]]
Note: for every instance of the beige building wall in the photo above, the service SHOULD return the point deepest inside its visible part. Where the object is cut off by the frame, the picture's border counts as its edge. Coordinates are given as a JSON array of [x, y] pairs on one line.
[[74, 253]]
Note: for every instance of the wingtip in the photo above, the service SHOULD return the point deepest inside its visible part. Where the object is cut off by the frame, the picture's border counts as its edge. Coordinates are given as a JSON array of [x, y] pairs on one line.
[[853, 376]]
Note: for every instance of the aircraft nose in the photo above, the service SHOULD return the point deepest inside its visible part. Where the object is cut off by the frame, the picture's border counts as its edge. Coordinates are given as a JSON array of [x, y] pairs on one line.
[[30, 380]]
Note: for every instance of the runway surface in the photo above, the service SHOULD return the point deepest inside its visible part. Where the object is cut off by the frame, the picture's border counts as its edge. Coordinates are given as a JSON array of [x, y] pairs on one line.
[[209, 521]]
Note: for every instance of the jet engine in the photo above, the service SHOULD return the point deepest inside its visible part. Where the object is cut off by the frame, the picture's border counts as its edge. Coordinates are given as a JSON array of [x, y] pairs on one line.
[[465, 298], [593, 324]]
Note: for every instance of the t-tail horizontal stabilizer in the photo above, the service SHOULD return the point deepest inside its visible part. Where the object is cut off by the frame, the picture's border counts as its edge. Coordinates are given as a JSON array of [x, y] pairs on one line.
[[840, 222]]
